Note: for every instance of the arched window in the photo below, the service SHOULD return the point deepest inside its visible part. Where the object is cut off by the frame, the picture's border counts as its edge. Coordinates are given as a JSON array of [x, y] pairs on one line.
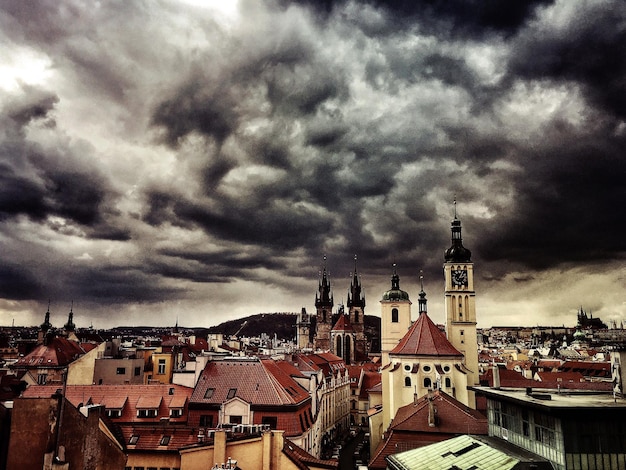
[[394, 315], [407, 381], [324, 316], [356, 316], [448, 382], [339, 349], [428, 383]]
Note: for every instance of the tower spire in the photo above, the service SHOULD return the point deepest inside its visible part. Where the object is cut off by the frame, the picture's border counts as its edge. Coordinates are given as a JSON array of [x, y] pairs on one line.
[[69, 326], [422, 295], [457, 252], [356, 298]]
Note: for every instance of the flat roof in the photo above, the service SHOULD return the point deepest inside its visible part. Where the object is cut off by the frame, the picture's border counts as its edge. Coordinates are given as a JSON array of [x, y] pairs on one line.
[[556, 399]]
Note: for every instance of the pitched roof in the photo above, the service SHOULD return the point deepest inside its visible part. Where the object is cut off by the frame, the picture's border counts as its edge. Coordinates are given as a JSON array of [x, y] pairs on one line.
[[410, 428], [254, 381], [343, 324], [127, 398], [466, 452], [424, 338], [58, 352], [302, 459], [327, 362], [368, 382]]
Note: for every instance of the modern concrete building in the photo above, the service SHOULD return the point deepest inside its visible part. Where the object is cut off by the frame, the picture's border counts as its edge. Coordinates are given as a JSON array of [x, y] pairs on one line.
[[573, 430]]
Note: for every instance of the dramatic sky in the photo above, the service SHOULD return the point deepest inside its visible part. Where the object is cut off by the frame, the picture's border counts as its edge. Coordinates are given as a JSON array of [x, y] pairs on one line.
[[164, 160]]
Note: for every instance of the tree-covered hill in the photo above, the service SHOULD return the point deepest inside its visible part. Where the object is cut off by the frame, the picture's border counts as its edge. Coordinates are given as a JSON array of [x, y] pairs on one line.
[[283, 325]]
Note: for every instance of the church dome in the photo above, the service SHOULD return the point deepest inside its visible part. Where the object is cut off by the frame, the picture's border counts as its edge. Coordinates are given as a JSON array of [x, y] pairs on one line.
[[395, 293]]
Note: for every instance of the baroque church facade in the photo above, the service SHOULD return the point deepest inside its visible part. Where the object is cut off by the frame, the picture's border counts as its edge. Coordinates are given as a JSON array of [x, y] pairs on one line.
[[417, 356]]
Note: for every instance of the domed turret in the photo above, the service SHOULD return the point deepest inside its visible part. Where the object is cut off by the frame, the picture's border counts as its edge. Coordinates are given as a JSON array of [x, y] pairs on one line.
[[395, 293]]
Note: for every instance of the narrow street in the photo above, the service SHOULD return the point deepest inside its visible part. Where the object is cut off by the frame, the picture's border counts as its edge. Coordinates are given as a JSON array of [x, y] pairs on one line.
[[347, 458]]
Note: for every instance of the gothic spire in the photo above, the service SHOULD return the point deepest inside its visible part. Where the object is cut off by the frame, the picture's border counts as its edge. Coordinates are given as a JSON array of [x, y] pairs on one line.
[[324, 297], [356, 298]]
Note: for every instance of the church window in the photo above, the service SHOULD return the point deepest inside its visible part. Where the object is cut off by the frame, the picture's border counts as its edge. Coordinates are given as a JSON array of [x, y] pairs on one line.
[[356, 316], [428, 383], [407, 381], [448, 382], [407, 367], [324, 316], [394, 315], [426, 368]]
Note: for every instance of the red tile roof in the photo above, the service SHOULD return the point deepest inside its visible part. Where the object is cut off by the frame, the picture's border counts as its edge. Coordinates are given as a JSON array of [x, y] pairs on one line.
[[254, 381], [130, 396], [327, 362], [424, 338], [343, 324], [58, 352], [304, 460], [369, 381], [150, 438]]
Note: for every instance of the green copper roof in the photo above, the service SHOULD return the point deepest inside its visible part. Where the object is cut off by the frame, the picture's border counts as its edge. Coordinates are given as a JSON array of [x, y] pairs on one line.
[[461, 452]]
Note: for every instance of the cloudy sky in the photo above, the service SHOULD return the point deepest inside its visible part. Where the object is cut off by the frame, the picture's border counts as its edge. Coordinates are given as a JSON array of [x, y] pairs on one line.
[[165, 160]]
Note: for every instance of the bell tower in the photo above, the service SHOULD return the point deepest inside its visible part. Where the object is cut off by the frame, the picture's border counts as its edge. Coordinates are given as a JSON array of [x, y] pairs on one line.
[[324, 311], [460, 303], [395, 316]]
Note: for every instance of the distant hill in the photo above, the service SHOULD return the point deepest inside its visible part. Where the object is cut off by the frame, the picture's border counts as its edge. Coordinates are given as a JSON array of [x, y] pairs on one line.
[[283, 325]]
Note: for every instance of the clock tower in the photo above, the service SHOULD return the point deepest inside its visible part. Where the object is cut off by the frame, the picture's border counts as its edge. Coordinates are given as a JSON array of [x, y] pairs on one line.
[[460, 303]]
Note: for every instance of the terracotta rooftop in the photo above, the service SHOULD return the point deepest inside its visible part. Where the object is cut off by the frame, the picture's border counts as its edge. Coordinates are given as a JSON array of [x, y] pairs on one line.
[[327, 362], [127, 398], [343, 324], [369, 381], [304, 460], [424, 338], [58, 352], [254, 381]]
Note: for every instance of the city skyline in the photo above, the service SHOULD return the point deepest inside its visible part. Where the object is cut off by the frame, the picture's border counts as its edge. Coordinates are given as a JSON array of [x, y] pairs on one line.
[[197, 160]]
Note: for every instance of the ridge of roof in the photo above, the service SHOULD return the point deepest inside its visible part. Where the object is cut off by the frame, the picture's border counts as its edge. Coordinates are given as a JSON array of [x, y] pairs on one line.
[[424, 338]]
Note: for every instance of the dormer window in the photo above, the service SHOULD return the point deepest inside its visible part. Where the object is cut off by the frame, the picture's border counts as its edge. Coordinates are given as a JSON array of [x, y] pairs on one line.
[[147, 413], [114, 413], [231, 393]]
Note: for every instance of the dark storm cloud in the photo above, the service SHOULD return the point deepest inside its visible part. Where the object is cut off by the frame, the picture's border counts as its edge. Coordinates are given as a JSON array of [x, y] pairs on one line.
[[38, 181], [277, 223], [566, 209], [173, 155], [18, 282], [588, 53], [460, 17]]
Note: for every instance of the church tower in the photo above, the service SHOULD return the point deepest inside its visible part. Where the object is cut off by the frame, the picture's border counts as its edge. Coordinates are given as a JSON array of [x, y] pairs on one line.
[[324, 312], [303, 328], [395, 316], [460, 303], [356, 311]]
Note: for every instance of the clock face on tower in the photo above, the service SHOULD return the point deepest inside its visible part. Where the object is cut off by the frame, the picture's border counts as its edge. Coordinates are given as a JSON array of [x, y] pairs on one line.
[[459, 277]]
